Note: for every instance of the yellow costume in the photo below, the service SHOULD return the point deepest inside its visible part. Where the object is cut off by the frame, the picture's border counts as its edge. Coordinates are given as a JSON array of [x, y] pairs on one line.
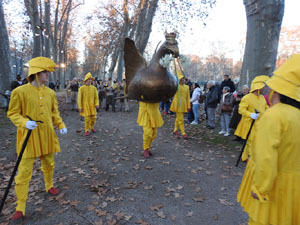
[[180, 104], [39, 104], [273, 171], [149, 117], [248, 104], [88, 101]]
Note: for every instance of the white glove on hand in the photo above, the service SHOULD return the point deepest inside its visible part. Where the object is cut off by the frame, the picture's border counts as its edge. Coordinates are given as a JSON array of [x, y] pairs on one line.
[[63, 131], [254, 116], [31, 125]]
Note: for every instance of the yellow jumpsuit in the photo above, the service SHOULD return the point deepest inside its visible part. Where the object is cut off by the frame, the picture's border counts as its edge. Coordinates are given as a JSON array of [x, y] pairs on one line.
[[87, 101], [273, 171], [38, 104], [248, 104], [181, 105], [149, 117]]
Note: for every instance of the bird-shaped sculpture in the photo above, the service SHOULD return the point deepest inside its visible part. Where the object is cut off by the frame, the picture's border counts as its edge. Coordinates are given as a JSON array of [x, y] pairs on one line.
[[153, 82]]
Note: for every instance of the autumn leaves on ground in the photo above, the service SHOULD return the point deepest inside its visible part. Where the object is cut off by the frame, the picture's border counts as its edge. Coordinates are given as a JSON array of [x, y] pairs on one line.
[[104, 179]]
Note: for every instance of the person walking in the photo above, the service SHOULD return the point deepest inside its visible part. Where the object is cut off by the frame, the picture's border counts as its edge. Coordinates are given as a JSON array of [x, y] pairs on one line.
[[195, 101], [180, 104], [149, 117], [270, 188], [35, 100], [249, 103], [88, 102]]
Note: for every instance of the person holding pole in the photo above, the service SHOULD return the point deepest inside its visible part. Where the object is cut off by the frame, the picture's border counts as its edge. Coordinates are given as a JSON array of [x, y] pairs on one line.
[[35, 100], [270, 188], [249, 103], [88, 102], [180, 103]]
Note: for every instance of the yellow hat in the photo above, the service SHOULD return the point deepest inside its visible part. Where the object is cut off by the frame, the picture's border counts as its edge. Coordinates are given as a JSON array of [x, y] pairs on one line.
[[286, 79], [259, 82], [39, 64], [178, 71], [88, 76]]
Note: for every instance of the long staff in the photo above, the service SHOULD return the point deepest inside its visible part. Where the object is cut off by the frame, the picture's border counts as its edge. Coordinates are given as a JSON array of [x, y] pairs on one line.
[[245, 142], [16, 166]]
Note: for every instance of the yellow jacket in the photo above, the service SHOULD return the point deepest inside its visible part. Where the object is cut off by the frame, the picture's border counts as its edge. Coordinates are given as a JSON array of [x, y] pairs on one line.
[[181, 100], [248, 104], [149, 115], [273, 172], [38, 104], [88, 100]]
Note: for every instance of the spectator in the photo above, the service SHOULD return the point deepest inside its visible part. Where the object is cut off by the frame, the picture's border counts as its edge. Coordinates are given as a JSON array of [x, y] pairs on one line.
[[195, 101], [74, 93], [236, 117], [226, 109], [16, 83], [52, 85], [227, 82], [211, 102]]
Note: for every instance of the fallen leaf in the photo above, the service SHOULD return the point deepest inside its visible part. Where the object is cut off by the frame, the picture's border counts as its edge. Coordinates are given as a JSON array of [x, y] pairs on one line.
[[225, 202], [161, 214], [190, 214], [199, 199]]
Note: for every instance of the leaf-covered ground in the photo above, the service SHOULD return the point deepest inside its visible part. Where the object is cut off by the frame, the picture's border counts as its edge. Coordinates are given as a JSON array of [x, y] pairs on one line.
[[104, 178]]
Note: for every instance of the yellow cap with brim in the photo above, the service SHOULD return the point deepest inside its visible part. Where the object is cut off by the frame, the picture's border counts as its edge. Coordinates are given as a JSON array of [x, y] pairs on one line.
[[286, 79], [88, 76], [259, 82], [39, 64]]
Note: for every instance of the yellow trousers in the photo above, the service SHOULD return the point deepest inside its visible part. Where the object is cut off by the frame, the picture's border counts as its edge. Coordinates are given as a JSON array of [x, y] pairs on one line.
[[24, 176], [179, 122], [89, 122], [148, 137], [252, 222]]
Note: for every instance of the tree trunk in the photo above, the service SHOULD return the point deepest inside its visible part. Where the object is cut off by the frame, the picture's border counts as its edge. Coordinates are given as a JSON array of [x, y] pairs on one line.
[[144, 26], [5, 65], [33, 13], [124, 35], [264, 19], [47, 28]]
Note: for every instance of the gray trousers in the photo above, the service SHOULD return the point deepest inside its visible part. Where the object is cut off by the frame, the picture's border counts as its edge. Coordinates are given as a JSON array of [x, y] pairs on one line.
[[211, 114], [225, 120]]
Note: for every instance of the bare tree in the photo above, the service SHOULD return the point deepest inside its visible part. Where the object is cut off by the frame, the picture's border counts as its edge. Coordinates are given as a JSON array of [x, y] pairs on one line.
[[5, 65], [264, 18]]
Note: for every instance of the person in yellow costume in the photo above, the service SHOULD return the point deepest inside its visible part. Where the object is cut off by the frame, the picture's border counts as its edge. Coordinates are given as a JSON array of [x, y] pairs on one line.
[[38, 102], [270, 188], [180, 104], [149, 117], [88, 102], [249, 103]]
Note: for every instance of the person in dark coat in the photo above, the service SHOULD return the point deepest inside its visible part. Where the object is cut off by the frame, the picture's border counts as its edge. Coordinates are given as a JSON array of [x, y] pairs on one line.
[[236, 117], [211, 103], [227, 82]]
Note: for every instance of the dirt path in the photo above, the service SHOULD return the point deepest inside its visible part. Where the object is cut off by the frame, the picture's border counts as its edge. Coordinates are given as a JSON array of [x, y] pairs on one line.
[[104, 179]]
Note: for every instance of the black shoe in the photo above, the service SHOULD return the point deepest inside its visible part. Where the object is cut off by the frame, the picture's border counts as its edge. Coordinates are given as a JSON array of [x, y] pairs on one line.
[[237, 138], [209, 127]]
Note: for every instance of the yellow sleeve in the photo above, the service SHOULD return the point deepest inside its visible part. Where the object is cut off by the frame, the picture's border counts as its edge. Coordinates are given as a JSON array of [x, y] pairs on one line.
[[96, 98], [57, 120], [267, 139], [188, 98], [14, 111], [243, 108], [79, 98]]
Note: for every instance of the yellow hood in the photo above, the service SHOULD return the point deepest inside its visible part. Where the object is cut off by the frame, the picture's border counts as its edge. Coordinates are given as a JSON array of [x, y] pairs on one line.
[[39, 64], [259, 82], [286, 79], [88, 76]]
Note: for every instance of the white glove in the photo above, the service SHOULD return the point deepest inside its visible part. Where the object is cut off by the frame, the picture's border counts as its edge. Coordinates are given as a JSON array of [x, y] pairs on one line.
[[254, 116], [63, 131], [31, 125]]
